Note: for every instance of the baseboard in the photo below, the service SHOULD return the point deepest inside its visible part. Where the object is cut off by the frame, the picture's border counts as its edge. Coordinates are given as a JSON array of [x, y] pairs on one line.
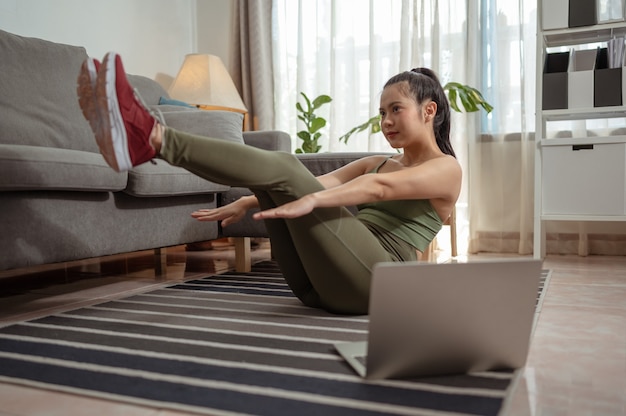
[[556, 243]]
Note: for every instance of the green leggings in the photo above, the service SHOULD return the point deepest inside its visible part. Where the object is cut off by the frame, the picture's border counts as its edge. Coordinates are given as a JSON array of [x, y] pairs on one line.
[[327, 256]]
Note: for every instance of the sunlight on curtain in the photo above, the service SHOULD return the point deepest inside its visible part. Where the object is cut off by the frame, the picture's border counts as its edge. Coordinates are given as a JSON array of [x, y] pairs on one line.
[[349, 48], [336, 48], [502, 157]]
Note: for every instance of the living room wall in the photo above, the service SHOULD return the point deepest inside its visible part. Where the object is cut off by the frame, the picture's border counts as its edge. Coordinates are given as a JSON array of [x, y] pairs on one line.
[[153, 36]]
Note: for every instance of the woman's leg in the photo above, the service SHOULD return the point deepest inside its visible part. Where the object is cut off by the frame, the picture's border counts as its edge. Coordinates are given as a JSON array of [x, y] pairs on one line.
[[288, 258], [326, 256]]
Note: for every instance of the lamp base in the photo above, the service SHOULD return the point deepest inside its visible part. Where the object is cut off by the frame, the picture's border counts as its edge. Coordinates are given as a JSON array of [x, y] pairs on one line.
[[221, 108]]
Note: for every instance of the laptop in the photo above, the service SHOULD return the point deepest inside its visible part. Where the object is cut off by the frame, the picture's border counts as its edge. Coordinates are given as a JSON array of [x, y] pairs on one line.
[[428, 319]]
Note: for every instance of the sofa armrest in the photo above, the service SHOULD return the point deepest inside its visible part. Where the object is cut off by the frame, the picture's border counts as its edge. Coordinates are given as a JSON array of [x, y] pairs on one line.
[[268, 140], [321, 163]]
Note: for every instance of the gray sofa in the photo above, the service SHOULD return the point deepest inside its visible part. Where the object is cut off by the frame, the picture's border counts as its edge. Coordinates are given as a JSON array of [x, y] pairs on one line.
[[60, 202]]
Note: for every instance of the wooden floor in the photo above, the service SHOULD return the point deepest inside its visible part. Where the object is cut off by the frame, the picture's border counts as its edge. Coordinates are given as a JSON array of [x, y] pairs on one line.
[[576, 364]]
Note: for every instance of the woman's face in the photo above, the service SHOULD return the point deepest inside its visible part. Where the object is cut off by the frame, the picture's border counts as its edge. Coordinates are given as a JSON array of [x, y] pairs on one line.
[[402, 119]]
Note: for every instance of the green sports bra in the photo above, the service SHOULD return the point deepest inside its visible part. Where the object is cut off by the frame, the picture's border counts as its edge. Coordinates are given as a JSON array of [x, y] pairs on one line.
[[413, 221]]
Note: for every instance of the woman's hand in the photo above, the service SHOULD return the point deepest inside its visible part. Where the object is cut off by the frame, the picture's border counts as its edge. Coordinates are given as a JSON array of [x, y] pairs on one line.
[[228, 214], [294, 209]]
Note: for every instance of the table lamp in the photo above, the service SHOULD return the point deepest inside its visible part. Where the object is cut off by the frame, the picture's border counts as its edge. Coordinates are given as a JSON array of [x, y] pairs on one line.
[[204, 82]]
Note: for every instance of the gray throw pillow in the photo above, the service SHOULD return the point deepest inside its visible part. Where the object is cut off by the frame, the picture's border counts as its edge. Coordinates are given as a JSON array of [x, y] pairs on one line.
[[38, 94], [224, 125]]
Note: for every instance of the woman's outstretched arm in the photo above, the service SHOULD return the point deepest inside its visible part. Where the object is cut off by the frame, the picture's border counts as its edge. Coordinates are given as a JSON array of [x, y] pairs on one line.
[[437, 180], [228, 214]]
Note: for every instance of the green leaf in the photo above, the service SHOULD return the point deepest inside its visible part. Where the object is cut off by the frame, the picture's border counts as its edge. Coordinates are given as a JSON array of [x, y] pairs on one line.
[[486, 106], [373, 124], [320, 101], [347, 135], [317, 124], [474, 94], [309, 148], [452, 99], [309, 110], [471, 99], [480, 100], [466, 101], [304, 135]]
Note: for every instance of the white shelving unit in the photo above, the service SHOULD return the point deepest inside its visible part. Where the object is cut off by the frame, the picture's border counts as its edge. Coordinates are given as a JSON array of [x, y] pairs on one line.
[[580, 178]]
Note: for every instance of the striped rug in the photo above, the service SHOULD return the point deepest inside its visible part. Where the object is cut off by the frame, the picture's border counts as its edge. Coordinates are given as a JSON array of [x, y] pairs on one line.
[[226, 344]]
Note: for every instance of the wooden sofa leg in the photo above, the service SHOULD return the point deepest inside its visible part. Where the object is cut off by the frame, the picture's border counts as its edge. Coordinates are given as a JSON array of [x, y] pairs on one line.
[[243, 262], [160, 261], [429, 254], [452, 221]]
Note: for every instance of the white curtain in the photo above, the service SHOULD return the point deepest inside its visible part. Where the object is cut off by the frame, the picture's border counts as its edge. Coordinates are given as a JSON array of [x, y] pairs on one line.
[[349, 48], [251, 66], [501, 195], [502, 156]]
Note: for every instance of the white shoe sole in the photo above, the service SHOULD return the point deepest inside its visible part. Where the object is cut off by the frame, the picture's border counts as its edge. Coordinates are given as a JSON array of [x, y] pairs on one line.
[[107, 92], [93, 111]]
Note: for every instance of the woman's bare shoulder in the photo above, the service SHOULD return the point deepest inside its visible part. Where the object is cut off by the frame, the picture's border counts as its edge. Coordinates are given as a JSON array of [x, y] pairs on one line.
[[354, 169], [370, 162]]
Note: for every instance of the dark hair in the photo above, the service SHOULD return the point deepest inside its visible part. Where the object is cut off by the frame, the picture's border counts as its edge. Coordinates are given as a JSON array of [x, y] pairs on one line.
[[423, 84]]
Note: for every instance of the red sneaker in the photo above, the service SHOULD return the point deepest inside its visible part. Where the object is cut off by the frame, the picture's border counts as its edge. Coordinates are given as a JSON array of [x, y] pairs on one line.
[[127, 142]]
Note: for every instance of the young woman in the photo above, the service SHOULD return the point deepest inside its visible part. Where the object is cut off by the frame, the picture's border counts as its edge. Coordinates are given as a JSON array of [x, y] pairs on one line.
[[325, 253]]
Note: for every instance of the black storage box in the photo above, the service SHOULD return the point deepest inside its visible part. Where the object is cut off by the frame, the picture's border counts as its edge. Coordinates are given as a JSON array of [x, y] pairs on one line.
[[607, 87], [582, 13], [555, 81]]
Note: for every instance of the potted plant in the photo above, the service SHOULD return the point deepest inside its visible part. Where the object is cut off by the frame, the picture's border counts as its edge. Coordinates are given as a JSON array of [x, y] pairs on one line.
[[312, 122]]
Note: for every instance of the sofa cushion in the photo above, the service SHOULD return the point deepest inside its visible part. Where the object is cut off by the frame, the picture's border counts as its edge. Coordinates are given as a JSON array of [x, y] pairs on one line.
[[226, 125], [46, 168], [149, 90], [169, 108], [164, 180], [38, 94]]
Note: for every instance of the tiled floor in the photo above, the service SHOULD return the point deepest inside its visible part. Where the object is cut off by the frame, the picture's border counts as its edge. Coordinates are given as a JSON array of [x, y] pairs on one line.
[[576, 364]]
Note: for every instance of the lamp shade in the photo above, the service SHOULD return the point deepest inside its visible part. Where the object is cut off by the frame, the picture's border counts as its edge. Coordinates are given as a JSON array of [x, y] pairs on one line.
[[203, 80]]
